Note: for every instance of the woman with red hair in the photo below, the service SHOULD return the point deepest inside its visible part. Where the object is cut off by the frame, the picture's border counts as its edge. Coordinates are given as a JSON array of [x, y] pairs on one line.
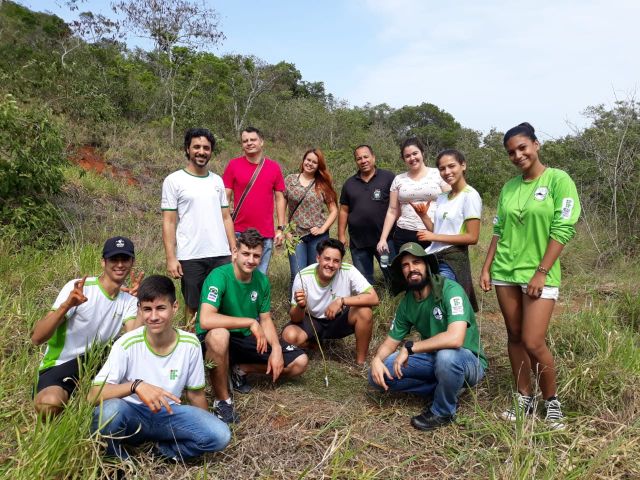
[[312, 206]]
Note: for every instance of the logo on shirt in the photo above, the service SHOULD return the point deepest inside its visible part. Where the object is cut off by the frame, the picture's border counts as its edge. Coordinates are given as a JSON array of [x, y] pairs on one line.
[[377, 194], [173, 374], [393, 323], [541, 193], [567, 208], [495, 220], [437, 313], [254, 296], [213, 294], [444, 215], [457, 307]]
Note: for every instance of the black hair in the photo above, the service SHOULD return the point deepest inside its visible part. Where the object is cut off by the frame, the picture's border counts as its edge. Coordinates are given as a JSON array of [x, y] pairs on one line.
[[451, 152], [156, 286], [410, 142], [251, 238], [363, 145], [253, 130], [330, 243], [195, 133], [525, 128]]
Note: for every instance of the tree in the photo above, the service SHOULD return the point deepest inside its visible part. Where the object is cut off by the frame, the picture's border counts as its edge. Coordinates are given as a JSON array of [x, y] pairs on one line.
[[171, 24]]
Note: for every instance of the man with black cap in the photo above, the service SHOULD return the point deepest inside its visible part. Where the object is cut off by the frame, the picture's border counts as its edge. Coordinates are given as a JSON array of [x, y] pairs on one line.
[[87, 310], [449, 354]]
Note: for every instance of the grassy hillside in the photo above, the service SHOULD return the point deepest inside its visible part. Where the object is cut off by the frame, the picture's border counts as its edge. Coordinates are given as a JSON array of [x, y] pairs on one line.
[[302, 429]]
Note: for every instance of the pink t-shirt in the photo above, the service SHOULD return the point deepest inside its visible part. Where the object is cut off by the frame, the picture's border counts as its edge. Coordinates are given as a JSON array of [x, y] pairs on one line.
[[257, 208]]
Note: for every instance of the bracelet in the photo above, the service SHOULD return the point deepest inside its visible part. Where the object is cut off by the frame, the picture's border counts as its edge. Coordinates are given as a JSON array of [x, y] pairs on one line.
[[135, 385], [541, 269]]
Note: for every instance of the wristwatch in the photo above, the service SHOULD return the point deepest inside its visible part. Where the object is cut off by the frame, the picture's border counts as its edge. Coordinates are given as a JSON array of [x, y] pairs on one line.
[[280, 227], [409, 346]]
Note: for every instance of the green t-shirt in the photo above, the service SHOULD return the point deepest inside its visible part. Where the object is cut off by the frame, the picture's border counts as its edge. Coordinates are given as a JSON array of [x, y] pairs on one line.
[[430, 319], [529, 214], [231, 297]]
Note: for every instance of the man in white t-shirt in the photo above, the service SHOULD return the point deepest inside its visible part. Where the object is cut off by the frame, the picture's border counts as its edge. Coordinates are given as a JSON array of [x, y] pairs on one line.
[[140, 385], [336, 297], [87, 310], [197, 229]]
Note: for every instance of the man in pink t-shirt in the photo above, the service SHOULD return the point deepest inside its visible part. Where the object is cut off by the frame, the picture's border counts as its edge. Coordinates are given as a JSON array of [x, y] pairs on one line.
[[256, 210]]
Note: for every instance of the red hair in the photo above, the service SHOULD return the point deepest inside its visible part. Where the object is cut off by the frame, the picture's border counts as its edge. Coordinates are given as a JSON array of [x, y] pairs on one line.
[[324, 182]]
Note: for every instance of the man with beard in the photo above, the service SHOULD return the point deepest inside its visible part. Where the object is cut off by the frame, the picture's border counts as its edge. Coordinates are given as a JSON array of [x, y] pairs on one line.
[[449, 354], [197, 229]]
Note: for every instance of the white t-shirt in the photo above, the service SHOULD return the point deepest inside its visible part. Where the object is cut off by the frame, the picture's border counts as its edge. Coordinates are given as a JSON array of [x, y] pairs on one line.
[[348, 281], [131, 358], [451, 213], [99, 319], [198, 200], [414, 191]]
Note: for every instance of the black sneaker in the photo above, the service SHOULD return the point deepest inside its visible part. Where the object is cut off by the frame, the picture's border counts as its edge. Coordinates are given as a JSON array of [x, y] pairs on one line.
[[226, 412], [239, 381], [554, 416], [523, 405], [428, 421]]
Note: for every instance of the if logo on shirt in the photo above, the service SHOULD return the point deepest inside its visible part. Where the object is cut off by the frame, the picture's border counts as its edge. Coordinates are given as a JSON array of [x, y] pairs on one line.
[[173, 374]]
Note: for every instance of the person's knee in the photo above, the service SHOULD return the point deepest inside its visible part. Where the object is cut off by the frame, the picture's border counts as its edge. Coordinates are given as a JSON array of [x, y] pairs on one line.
[[299, 365], [361, 317], [217, 342], [218, 436], [50, 401], [108, 416], [534, 346], [448, 362], [294, 335]]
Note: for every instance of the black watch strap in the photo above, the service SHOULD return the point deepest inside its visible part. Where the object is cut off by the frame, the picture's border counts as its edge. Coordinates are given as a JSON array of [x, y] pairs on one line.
[[409, 346]]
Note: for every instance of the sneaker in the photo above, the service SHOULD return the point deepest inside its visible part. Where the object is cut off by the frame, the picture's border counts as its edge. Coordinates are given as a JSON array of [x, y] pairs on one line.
[[524, 404], [239, 381], [224, 411], [428, 421], [554, 416]]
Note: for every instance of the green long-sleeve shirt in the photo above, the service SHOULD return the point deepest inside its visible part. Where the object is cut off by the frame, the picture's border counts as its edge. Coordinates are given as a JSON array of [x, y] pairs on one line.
[[529, 214]]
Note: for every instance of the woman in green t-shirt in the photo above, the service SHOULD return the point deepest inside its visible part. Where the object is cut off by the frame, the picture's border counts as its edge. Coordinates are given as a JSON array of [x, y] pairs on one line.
[[536, 215]]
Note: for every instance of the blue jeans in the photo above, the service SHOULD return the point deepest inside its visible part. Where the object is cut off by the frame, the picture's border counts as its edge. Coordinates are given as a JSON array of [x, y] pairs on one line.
[[363, 260], [305, 253], [445, 271], [442, 374], [267, 248], [188, 433]]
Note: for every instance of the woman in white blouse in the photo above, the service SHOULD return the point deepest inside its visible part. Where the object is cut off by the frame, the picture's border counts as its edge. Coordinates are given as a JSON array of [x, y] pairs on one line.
[[418, 184]]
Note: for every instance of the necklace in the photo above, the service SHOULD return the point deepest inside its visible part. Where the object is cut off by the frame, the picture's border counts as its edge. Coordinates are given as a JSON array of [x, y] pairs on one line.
[[520, 212]]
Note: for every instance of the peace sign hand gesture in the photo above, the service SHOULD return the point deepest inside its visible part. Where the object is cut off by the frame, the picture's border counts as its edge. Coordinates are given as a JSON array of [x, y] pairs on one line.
[[76, 296], [134, 281]]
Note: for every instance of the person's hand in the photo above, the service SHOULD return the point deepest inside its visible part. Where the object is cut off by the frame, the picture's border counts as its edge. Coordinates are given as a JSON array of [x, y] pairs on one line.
[[382, 247], [421, 208], [536, 284], [425, 236], [155, 397], [76, 296], [134, 281], [261, 339], [378, 372], [334, 308], [485, 280], [300, 298], [315, 231], [277, 240], [174, 268], [275, 363], [400, 361]]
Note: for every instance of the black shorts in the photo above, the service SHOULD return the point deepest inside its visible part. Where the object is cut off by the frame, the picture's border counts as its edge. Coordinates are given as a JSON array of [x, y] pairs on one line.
[[64, 376], [242, 350], [327, 329], [194, 272]]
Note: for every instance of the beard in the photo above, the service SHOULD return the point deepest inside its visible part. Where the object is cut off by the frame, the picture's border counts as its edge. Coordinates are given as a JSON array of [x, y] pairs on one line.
[[417, 285]]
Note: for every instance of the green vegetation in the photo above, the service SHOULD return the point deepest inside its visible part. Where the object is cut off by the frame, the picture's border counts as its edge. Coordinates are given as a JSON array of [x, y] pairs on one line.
[[58, 88]]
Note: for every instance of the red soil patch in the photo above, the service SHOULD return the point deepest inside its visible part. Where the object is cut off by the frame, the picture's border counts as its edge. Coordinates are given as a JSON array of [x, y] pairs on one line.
[[89, 159]]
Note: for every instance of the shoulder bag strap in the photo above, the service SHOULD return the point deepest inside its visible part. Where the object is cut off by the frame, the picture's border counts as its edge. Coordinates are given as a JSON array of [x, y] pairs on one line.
[[236, 210], [306, 190]]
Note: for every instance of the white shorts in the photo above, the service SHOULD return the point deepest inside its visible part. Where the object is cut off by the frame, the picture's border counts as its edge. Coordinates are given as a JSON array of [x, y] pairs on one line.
[[549, 293]]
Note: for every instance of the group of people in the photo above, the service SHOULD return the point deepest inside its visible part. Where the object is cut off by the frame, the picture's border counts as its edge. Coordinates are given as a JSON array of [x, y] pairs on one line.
[[418, 225]]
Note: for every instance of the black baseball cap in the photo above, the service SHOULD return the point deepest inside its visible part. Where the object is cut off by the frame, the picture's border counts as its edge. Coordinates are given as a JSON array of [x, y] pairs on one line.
[[118, 246]]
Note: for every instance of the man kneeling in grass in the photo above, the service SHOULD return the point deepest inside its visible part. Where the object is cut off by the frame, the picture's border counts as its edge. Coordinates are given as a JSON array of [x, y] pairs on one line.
[[140, 385], [235, 327], [88, 311], [448, 356]]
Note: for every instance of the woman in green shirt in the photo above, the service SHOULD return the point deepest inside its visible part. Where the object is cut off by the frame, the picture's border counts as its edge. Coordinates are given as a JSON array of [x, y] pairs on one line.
[[536, 215]]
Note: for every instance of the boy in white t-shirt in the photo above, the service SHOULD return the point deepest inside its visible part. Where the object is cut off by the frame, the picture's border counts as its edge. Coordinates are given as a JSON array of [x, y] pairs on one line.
[[88, 310], [336, 297], [140, 385]]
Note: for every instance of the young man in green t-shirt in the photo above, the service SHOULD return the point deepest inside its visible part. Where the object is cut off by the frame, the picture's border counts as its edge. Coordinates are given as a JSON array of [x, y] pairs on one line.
[[449, 354], [235, 327]]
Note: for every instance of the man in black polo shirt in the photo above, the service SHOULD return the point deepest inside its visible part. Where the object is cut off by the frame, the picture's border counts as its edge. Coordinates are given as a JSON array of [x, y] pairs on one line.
[[363, 205]]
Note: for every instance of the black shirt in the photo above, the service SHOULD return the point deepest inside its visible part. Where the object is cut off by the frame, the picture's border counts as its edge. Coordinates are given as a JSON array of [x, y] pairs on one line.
[[368, 203]]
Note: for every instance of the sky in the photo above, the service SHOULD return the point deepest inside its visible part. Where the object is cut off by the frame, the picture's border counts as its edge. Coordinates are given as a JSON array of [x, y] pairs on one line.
[[489, 63]]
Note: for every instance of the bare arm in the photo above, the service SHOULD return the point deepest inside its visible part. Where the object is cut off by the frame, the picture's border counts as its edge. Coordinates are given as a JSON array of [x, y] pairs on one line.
[[229, 228], [343, 215], [281, 205], [393, 212], [551, 254], [485, 274], [333, 213], [275, 364], [169, 225], [197, 398], [364, 299], [378, 369], [153, 397], [470, 237]]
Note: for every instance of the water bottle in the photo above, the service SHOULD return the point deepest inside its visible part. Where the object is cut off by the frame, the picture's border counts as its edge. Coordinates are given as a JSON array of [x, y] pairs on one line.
[[384, 260]]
